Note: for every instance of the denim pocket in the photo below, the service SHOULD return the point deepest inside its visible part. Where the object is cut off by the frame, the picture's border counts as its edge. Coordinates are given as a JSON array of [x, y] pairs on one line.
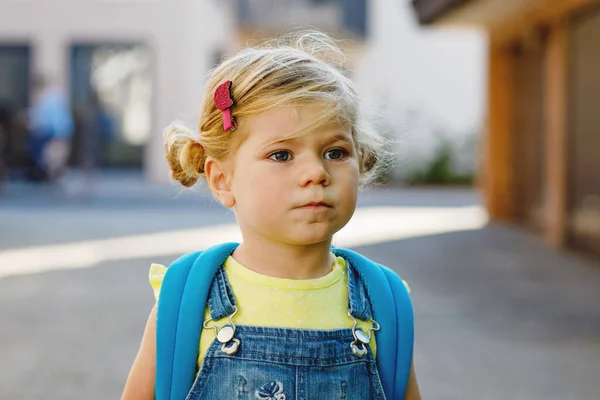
[[231, 378], [351, 381], [243, 379]]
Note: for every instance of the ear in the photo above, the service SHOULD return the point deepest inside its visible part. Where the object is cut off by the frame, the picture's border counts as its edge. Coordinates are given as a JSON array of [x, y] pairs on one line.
[[217, 176]]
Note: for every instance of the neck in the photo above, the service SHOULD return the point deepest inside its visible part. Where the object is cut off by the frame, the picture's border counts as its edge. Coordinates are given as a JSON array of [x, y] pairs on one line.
[[282, 260]]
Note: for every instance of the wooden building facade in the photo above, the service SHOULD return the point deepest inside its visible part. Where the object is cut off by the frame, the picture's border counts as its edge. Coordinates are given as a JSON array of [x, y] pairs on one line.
[[542, 140]]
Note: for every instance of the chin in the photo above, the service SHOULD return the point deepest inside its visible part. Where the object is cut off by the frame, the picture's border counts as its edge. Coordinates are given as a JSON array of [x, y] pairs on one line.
[[309, 238]]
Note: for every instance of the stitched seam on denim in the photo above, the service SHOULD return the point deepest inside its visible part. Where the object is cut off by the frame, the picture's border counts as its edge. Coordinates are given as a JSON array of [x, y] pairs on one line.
[[367, 289], [297, 386], [277, 355], [362, 308], [366, 286], [352, 292], [370, 356], [310, 338], [355, 284], [201, 379], [228, 290], [354, 360], [222, 292], [219, 301], [376, 384], [213, 299], [314, 335], [351, 289]]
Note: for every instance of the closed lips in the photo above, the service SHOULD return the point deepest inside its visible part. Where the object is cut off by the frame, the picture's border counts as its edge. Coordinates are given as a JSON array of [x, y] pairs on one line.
[[315, 204]]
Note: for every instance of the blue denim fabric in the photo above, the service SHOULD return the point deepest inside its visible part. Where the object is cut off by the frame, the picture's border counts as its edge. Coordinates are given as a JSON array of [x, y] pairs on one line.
[[287, 364]]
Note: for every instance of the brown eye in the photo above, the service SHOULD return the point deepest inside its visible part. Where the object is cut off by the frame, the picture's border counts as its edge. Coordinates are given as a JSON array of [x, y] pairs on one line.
[[281, 156]]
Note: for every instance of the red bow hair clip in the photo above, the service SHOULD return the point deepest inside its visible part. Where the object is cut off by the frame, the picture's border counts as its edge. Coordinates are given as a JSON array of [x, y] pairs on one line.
[[224, 102]]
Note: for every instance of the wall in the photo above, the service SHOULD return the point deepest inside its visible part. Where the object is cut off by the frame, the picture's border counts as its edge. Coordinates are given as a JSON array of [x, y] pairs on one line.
[[184, 35], [438, 74]]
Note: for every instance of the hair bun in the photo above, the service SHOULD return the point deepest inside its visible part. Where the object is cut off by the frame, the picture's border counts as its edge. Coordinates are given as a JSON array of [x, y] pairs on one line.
[[184, 153]]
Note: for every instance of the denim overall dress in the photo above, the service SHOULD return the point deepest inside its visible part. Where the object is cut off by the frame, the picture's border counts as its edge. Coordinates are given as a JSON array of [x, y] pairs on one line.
[[254, 362]]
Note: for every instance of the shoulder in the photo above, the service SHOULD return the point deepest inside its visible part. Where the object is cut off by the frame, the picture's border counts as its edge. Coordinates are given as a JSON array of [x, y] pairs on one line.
[[156, 275], [184, 261], [157, 272], [366, 267]]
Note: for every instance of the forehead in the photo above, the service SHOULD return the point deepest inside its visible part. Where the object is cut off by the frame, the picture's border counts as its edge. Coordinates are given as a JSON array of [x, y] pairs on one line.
[[292, 121]]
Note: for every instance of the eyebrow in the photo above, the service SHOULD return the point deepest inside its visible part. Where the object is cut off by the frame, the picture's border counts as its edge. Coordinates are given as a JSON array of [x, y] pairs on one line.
[[340, 137]]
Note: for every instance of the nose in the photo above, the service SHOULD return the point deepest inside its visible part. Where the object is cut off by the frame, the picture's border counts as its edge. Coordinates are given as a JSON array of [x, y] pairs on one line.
[[313, 170]]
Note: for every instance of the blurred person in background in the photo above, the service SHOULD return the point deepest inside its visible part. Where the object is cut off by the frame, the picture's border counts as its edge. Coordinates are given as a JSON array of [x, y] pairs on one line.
[[51, 129], [5, 124], [98, 129]]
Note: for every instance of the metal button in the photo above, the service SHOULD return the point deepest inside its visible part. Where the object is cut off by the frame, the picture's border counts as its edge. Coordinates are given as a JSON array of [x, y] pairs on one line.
[[231, 348], [361, 336], [225, 334], [358, 352]]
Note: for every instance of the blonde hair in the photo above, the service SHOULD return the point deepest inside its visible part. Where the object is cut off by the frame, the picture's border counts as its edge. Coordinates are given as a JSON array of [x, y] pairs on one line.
[[299, 68]]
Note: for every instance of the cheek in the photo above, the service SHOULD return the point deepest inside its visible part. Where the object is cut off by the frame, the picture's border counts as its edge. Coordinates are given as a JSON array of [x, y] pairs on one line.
[[350, 195], [348, 192], [347, 179], [262, 193]]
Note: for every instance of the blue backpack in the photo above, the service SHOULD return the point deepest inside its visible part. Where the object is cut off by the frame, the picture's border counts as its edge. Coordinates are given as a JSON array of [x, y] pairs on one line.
[[183, 298]]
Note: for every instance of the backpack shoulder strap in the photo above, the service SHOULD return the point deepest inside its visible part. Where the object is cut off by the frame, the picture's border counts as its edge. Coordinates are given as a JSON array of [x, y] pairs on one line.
[[396, 337], [181, 305], [169, 301], [405, 331]]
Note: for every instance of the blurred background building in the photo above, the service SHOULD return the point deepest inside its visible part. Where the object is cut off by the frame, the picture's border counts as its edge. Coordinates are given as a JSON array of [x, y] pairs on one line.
[[542, 147], [146, 61]]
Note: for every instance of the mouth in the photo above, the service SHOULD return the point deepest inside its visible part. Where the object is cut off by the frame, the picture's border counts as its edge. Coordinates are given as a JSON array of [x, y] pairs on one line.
[[315, 204]]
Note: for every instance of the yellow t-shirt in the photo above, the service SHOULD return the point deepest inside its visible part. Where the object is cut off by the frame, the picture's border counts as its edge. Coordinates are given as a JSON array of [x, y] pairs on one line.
[[264, 300]]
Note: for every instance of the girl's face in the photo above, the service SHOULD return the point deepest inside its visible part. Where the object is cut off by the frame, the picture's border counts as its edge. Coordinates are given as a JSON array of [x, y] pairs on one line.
[[295, 191]]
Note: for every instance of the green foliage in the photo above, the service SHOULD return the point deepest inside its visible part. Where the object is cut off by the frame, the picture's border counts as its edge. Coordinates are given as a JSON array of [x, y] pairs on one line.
[[440, 171]]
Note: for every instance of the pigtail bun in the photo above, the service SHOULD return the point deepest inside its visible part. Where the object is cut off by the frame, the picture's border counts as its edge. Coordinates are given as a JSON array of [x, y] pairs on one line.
[[184, 153]]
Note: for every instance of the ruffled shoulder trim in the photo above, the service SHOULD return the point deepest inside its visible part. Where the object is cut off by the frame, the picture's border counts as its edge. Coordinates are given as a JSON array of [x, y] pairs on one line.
[[156, 275]]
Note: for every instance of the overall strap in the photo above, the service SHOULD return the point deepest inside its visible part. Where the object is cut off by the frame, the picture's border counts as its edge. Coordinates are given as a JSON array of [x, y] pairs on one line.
[[392, 309], [180, 316]]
